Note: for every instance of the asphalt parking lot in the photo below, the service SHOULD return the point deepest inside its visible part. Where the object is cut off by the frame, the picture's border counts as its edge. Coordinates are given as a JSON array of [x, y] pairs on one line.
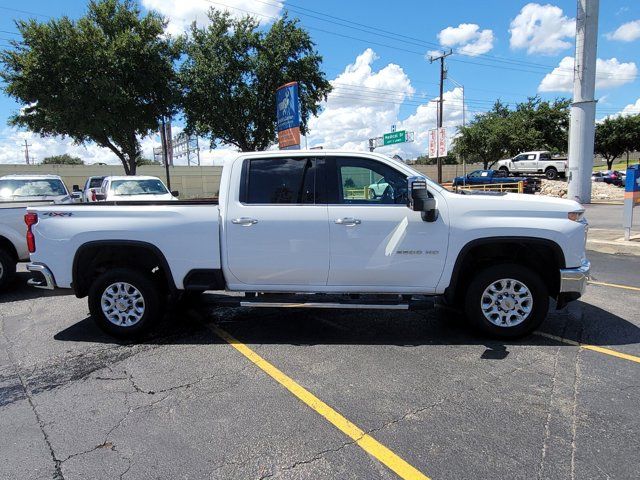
[[322, 394]]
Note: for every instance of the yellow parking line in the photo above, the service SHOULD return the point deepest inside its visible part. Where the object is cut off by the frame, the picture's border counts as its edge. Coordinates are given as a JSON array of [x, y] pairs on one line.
[[606, 351], [615, 285], [366, 442]]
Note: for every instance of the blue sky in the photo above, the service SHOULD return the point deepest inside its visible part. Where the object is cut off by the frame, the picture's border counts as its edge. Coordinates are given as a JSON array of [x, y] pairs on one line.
[[505, 48]]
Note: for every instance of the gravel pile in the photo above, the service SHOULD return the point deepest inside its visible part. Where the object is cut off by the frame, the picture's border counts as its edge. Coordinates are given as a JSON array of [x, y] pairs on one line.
[[599, 190]]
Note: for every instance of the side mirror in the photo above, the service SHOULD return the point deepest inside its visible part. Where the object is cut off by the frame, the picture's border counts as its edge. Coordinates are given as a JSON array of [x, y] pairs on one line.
[[175, 193], [76, 188], [419, 200]]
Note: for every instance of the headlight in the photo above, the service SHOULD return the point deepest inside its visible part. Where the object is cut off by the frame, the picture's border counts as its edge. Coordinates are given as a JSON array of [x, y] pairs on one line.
[[576, 216]]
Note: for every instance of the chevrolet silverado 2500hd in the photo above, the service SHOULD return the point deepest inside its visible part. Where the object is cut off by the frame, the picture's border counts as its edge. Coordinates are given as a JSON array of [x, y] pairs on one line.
[[298, 229]]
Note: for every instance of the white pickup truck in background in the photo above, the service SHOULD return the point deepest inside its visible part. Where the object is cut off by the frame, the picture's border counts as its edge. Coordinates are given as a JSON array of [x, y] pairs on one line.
[[299, 229], [534, 162], [17, 192]]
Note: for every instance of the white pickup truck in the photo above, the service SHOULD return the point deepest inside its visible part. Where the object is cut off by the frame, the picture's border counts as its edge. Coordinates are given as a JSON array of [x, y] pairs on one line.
[[17, 192], [534, 162], [298, 229]]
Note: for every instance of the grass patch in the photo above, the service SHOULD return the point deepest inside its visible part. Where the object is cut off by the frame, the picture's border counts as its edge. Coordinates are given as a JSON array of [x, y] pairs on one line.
[[619, 165]]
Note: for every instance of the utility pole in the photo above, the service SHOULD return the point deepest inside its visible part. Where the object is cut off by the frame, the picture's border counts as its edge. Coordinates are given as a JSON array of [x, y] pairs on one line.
[[163, 139], [583, 108], [26, 151], [440, 103]]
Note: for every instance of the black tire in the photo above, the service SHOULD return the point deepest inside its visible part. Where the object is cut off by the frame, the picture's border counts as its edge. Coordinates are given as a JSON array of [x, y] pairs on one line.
[[372, 194], [539, 297], [7, 269], [551, 173], [505, 170], [150, 292]]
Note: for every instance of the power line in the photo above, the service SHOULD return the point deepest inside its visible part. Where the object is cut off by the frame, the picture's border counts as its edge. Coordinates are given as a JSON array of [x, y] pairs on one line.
[[27, 12]]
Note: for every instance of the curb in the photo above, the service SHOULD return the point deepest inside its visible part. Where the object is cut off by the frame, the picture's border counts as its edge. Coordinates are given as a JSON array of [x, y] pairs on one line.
[[614, 248]]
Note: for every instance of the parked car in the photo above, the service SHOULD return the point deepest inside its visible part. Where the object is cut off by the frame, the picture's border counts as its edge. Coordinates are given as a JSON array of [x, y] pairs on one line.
[[91, 189], [377, 189], [134, 188], [16, 193], [490, 177], [285, 223], [539, 161], [612, 177]]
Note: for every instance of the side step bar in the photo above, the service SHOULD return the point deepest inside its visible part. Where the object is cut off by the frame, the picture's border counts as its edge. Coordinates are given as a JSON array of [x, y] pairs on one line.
[[361, 306]]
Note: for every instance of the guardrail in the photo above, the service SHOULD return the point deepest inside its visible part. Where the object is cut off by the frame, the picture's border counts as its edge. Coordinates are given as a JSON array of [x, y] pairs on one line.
[[514, 187]]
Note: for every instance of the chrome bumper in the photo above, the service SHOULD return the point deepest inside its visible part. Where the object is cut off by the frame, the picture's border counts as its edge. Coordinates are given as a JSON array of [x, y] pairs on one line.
[[574, 280], [43, 277]]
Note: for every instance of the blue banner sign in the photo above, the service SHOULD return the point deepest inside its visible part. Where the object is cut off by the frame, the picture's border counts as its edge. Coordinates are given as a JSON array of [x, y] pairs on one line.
[[288, 115]]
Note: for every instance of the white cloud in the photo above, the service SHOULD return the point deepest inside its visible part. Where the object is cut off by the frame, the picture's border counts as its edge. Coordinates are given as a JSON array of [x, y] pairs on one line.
[[181, 13], [609, 74], [541, 29], [365, 103], [12, 149], [630, 109], [467, 38], [627, 32]]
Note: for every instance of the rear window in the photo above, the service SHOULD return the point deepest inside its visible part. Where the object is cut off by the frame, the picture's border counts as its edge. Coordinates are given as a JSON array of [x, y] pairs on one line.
[[95, 182], [16, 188], [137, 187], [279, 181]]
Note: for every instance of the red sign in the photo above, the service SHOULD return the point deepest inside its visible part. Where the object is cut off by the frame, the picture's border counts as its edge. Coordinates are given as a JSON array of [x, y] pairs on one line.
[[289, 137]]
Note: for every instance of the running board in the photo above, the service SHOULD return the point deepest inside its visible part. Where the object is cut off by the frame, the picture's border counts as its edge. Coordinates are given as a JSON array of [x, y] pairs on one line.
[[371, 306]]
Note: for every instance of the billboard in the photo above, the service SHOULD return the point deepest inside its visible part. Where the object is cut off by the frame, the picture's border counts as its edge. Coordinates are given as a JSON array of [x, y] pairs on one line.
[[288, 116], [437, 142]]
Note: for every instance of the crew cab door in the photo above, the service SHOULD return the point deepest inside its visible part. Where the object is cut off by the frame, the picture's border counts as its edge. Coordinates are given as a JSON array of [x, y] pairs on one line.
[[275, 225], [378, 244], [526, 162]]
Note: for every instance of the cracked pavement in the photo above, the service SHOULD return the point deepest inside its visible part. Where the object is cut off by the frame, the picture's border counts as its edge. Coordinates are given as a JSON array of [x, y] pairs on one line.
[[76, 404]]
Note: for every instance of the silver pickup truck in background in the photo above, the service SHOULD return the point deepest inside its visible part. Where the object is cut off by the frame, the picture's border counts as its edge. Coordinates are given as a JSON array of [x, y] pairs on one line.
[[17, 192]]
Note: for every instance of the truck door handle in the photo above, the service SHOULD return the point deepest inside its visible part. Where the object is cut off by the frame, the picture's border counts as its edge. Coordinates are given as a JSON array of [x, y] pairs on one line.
[[244, 221], [348, 221]]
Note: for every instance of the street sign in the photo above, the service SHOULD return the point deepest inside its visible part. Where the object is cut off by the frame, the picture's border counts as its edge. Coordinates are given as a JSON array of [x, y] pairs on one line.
[[391, 138], [433, 143]]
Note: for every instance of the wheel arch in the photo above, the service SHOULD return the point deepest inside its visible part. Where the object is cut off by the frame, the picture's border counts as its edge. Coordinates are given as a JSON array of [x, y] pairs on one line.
[[8, 246], [92, 256], [529, 251]]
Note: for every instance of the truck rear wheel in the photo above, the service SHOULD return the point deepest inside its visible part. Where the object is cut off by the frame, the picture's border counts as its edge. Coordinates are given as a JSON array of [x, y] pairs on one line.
[[507, 301], [504, 170], [125, 303], [551, 173], [7, 269]]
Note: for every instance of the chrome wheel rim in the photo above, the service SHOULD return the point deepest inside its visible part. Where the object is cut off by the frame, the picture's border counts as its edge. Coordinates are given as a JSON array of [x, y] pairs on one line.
[[122, 304], [1, 270], [506, 302]]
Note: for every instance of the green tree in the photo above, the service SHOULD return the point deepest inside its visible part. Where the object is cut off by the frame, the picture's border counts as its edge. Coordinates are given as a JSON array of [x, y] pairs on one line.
[[107, 77], [64, 159], [232, 70], [504, 132], [611, 141]]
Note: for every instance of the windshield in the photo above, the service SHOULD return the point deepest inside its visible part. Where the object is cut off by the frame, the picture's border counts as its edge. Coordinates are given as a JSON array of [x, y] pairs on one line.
[[11, 188], [138, 187]]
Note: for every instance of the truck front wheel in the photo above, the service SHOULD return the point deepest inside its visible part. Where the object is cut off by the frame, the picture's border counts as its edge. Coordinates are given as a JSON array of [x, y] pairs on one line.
[[124, 302], [507, 301], [7, 269]]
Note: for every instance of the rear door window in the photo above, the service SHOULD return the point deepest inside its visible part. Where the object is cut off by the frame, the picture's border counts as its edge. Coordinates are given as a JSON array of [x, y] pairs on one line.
[[281, 180]]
